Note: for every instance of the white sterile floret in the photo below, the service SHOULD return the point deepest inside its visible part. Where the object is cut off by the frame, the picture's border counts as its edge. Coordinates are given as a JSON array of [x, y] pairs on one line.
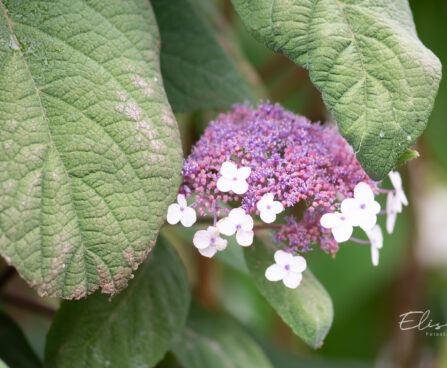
[[208, 241], [181, 212], [233, 178], [361, 210], [376, 238], [396, 180], [393, 207], [269, 208], [240, 223], [339, 224], [287, 268]]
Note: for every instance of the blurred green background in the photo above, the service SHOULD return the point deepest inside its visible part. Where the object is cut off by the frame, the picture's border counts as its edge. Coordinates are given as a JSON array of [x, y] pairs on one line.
[[412, 275]]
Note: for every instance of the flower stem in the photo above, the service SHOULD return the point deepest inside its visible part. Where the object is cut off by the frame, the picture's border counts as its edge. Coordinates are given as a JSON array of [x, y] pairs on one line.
[[380, 190], [360, 241]]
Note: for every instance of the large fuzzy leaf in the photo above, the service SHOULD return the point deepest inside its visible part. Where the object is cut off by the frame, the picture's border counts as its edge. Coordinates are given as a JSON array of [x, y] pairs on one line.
[[375, 75], [90, 154], [307, 309], [135, 329], [197, 72]]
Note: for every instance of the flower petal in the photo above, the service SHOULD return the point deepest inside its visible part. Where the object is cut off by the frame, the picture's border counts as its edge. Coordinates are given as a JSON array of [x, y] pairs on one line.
[[342, 232], [224, 184], [228, 170], [396, 180], [189, 217], [375, 236], [375, 256], [277, 207], [243, 173], [201, 239], [298, 264], [363, 192], [247, 223], [349, 207], [244, 238], [393, 203], [390, 221], [330, 220], [208, 252], [237, 215], [174, 214], [264, 202], [220, 243], [268, 217], [366, 220], [283, 258], [226, 226], [181, 200], [239, 186], [275, 273], [402, 197], [372, 207], [292, 279]]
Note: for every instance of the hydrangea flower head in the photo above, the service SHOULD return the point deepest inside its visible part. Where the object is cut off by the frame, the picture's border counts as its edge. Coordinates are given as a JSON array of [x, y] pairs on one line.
[[280, 154]]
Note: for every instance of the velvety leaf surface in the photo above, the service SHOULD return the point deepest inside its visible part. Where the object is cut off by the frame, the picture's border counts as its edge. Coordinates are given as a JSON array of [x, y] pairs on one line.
[[307, 309], [134, 329], [197, 72], [90, 153], [375, 75], [212, 340], [14, 348]]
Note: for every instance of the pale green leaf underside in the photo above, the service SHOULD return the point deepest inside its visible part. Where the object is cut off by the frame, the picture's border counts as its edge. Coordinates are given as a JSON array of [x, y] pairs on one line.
[[212, 340], [89, 149], [135, 329], [375, 75], [307, 309]]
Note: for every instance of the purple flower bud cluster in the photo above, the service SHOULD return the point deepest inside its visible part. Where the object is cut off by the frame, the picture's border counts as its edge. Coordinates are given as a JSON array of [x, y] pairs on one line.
[[289, 157]]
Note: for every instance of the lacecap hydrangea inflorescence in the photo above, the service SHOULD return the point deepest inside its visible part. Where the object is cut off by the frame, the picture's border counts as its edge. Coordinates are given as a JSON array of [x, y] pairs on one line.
[[302, 179]]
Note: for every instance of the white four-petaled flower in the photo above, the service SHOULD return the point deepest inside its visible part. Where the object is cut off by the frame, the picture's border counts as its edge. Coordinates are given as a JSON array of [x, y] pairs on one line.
[[393, 207], [361, 210], [181, 212], [287, 268], [396, 180], [208, 241], [394, 201], [376, 238], [269, 208], [233, 178], [339, 224], [240, 223]]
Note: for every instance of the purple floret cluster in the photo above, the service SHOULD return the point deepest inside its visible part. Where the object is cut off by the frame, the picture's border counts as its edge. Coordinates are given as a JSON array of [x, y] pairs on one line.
[[297, 161]]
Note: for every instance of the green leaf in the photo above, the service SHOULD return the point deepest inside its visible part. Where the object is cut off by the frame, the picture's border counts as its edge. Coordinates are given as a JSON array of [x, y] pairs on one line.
[[212, 340], [135, 329], [197, 72], [375, 75], [408, 155], [90, 154], [307, 309], [14, 348]]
